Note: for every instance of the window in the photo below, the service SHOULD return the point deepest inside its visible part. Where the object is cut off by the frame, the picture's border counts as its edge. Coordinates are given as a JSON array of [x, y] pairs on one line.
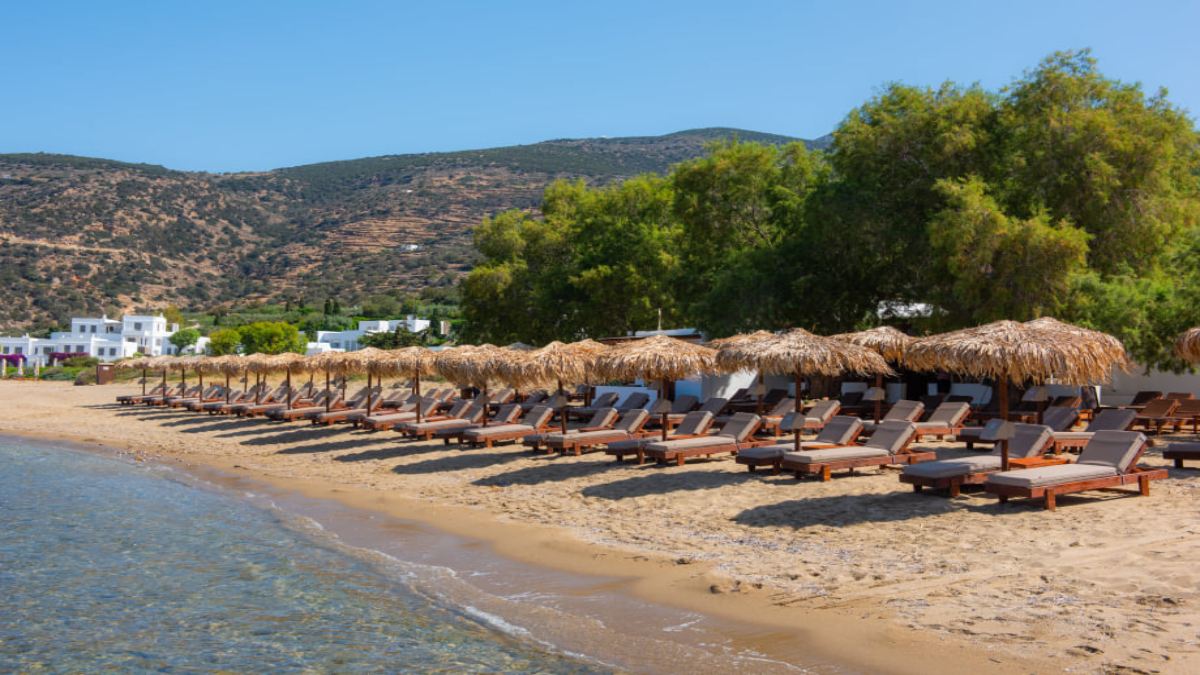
[[46, 350], [93, 329], [137, 325], [18, 350], [5, 348]]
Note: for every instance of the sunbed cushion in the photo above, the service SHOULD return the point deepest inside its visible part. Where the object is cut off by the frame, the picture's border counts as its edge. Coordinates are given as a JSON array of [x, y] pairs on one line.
[[632, 420], [584, 436], [905, 410], [822, 411], [683, 404], [1073, 435], [892, 436], [778, 450], [603, 417], [441, 424], [1114, 449], [834, 454], [959, 466], [694, 422], [688, 443], [498, 429], [948, 414], [1029, 440], [1059, 418], [1051, 475], [840, 430], [740, 426], [1113, 420]]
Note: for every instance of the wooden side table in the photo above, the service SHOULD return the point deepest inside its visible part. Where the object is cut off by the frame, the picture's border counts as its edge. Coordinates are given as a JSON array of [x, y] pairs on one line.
[[1035, 462]]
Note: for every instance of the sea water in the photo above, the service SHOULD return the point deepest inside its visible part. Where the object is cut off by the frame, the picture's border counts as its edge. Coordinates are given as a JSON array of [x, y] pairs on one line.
[[107, 564]]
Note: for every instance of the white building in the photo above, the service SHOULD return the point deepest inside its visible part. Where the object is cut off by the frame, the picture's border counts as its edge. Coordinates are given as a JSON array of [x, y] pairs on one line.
[[104, 338], [349, 340]]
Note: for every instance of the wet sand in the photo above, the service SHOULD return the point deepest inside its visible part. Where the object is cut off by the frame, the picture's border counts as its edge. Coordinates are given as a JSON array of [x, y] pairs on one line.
[[857, 571]]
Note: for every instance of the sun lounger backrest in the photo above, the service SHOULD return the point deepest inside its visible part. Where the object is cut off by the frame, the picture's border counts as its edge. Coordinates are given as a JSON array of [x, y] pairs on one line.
[[507, 413], [535, 397], [428, 405], [892, 436], [503, 396], [459, 407], [1144, 397], [739, 395], [740, 426], [1059, 418], [1118, 449], [683, 404], [824, 410], [539, 416], [1028, 440], [1159, 407], [714, 405], [474, 412], [637, 399], [841, 430], [606, 400], [905, 410], [632, 421], [602, 418], [1180, 395], [782, 407], [1112, 419], [950, 414], [1188, 407], [695, 422], [850, 398]]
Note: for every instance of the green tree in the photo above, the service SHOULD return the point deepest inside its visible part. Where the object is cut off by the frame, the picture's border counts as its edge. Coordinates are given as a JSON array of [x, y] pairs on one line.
[[270, 337], [224, 341], [173, 315], [184, 338]]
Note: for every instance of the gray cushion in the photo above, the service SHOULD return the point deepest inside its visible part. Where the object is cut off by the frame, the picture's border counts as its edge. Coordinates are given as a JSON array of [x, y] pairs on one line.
[[1073, 435], [1029, 440], [905, 410], [765, 452], [497, 429], [1112, 420], [688, 443], [695, 422], [840, 430], [834, 454], [1051, 475], [1115, 449], [632, 420], [891, 436], [823, 410], [740, 426], [950, 414], [959, 466]]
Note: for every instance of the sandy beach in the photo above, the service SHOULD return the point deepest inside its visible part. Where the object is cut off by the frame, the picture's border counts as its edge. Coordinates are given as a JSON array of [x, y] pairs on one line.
[[877, 577]]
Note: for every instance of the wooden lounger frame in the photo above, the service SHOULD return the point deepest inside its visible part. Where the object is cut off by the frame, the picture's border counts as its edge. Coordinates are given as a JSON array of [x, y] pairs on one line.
[[1049, 493], [752, 463], [681, 455], [1178, 454]]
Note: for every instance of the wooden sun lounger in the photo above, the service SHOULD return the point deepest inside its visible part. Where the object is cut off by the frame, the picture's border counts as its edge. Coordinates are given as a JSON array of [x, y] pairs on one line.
[[425, 430], [1179, 452], [387, 421], [947, 419], [535, 421], [628, 427], [1108, 461], [1028, 441], [1109, 419], [734, 436], [694, 424], [842, 430], [886, 447], [603, 420], [507, 414]]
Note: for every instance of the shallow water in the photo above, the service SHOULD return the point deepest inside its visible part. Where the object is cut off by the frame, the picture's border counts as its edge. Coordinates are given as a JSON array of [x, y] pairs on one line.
[[108, 564]]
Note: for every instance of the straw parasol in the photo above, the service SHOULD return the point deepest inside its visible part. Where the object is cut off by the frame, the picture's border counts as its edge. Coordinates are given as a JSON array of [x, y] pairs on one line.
[[744, 338], [476, 365], [1010, 351], [556, 363], [885, 341], [800, 353], [413, 362], [1187, 345], [657, 357], [334, 362], [288, 362]]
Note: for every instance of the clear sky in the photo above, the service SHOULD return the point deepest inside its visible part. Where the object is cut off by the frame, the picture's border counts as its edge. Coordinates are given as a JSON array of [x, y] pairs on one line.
[[248, 85]]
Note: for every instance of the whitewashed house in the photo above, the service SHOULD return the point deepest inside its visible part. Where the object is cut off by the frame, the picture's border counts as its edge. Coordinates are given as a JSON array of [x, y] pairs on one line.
[[349, 340], [104, 338]]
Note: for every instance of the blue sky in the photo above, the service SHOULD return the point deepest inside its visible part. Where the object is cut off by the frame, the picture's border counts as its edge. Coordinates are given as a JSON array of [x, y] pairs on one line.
[[227, 86]]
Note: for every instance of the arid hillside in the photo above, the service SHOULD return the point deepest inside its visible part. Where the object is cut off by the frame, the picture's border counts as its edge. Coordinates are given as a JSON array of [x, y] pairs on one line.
[[87, 235]]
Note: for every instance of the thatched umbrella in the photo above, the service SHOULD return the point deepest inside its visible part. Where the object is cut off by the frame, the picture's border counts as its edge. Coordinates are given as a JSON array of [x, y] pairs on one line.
[[260, 365], [413, 362], [734, 340], [884, 340], [1187, 345], [657, 358], [556, 363], [1010, 351], [371, 360], [288, 362], [334, 362], [138, 363], [799, 353], [474, 365]]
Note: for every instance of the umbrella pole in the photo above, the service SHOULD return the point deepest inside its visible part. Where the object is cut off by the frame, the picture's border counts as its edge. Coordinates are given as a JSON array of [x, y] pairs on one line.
[[328, 394], [143, 381], [762, 385], [258, 387], [164, 381], [878, 401], [562, 412], [663, 395], [796, 420], [417, 385], [200, 375], [369, 391], [227, 386], [290, 393], [1003, 384], [486, 403]]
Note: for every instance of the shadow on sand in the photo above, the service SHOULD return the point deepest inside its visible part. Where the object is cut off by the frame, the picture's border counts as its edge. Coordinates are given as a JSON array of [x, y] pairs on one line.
[[665, 482], [465, 460]]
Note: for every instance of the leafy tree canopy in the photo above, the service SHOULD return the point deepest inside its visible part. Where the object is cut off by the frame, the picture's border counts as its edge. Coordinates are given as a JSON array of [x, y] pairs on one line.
[[184, 338], [270, 337], [1066, 193], [224, 341]]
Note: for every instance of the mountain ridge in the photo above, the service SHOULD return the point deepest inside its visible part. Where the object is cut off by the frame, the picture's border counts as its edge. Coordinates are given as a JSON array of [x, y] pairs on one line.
[[85, 234]]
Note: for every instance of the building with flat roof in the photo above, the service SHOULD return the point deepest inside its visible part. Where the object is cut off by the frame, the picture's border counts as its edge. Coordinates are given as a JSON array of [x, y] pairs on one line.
[[104, 338]]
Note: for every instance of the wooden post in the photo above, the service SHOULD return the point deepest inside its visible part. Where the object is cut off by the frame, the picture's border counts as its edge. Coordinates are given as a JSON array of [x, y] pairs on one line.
[[762, 385], [663, 395], [1002, 382], [417, 388], [796, 412], [227, 392], [486, 403], [289, 387], [565, 410], [328, 393], [369, 392], [878, 401], [143, 381]]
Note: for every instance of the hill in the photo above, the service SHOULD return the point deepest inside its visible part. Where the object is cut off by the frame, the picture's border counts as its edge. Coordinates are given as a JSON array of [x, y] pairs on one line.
[[84, 235]]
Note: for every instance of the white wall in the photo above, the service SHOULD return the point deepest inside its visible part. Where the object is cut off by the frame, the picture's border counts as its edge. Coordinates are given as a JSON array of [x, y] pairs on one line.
[[1125, 385]]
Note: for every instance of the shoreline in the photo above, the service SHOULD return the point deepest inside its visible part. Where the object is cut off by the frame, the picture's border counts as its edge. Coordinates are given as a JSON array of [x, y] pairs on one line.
[[854, 632]]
